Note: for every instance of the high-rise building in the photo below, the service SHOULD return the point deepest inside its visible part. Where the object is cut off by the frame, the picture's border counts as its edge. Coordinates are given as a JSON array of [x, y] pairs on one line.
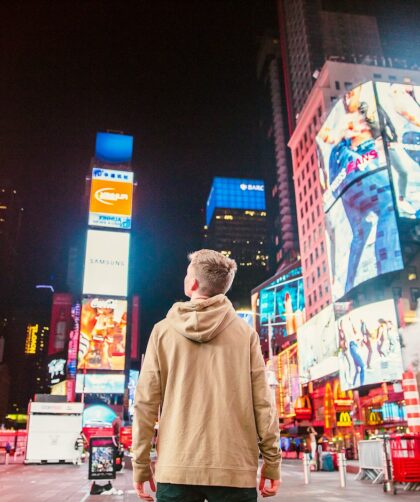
[[333, 81], [236, 225], [304, 48], [275, 160]]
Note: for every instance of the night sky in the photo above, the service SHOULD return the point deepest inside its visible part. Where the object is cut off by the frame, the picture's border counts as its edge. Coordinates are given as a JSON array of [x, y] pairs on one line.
[[180, 76]]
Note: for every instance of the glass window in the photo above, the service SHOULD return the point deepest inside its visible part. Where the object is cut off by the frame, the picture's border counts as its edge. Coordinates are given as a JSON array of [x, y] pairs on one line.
[[337, 85]]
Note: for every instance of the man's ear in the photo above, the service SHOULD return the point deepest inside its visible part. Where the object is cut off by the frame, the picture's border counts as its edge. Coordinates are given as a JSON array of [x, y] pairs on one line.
[[195, 285]]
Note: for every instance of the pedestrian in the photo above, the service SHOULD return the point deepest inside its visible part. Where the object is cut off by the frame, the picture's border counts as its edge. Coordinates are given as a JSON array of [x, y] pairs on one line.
[[205, 371]]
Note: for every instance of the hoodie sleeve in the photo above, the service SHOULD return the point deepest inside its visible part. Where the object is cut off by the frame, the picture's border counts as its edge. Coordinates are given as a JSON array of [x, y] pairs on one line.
[[146, 409], [265, 413]]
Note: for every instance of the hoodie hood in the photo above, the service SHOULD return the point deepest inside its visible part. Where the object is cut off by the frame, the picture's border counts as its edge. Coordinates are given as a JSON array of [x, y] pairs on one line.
[[201, 321]]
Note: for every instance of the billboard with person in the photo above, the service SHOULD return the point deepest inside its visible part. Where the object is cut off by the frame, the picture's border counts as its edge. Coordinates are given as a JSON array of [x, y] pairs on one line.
[[362, 234], [399, 108], [103, 330], [317, 346], [349, 143], [369, 345], [279, 308]]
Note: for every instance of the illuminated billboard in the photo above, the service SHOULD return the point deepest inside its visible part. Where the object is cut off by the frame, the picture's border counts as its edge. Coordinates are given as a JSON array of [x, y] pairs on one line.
[[362, 234], [61, 322], [106, 263], [111, 198], [31, 342], [369, 345], [133, 377], [349, 143], [279, 307], [289, 381], [317, 346], [100, 383], [103, 330], [235, 193], [113, 148], [399, 107]]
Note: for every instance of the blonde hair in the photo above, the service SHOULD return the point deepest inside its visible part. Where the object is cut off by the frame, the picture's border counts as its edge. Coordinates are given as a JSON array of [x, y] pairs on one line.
[[215, 271]]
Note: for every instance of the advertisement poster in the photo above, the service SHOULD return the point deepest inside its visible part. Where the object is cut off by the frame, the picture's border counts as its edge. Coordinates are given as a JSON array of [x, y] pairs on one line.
[[133, 376], [279, 307], [103, 331], [106, 263], [102, 457], [362, 234], [61, 322], [350, 142], [289, 381], [317, 346], [369, 346], [111, 198], [399, 107], [100, 383]]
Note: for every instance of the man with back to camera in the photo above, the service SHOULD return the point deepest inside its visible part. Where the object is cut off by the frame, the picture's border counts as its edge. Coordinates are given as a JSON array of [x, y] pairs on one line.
[[204, 369]]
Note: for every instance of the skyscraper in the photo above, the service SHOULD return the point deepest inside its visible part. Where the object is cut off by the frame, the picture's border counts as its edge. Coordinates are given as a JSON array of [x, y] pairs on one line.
[[311, 33], [275, 161], [236, 225]]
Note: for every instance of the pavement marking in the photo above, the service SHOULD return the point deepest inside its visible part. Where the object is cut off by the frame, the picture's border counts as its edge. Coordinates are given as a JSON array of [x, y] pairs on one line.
[[85, 497]]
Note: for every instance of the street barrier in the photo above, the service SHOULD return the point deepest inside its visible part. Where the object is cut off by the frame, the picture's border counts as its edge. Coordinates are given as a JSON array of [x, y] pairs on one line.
[[371, 460], [306, 468], [342, 469]]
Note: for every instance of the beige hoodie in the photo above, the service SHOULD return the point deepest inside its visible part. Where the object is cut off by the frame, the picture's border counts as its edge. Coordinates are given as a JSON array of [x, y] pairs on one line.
[[205, 369]]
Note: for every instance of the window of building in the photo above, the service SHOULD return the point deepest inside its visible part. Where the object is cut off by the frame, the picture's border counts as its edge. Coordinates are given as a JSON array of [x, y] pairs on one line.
[[304, 190], [309, 241], [307, 282], [303, 174], [315, 297], [298, 181], [312, 159], [301, 212], [311, 259], [316, 254], [306, 264], [306, 206], [318, 272], [311, 199], [304, 246], [326, 288], [303, 229], [305, 137], [309, 183], [348, 85], [324, 267], [310, 301], [320, 292], [392, 78], [313, 279], [319, 111], [300, 196], [307, 167], [314, 175], [316, 192], [318, 210], [337, 85], [313, 217], [322, 247], [377, 75]]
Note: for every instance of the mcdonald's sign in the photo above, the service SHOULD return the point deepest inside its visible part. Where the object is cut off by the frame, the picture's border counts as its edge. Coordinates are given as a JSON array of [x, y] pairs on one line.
[[374, 418], [344, 419]]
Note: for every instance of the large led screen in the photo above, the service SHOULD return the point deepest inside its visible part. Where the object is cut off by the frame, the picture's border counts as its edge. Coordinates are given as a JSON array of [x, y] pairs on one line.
[[235, 193], [279, 308], [350, 142], [289, 381], [113, 148], [317, 346], [369, 346], [103, 334], [61, 321], [399, 107], [133, 377], [362, 233], [111, 197], [106, 263], [100, 383]]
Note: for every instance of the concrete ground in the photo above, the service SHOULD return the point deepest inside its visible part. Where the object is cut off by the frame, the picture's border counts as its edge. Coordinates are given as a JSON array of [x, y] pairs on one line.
[[68, 483]]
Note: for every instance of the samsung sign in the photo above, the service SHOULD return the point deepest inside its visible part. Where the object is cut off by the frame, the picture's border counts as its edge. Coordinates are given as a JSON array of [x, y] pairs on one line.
[[106, 263]]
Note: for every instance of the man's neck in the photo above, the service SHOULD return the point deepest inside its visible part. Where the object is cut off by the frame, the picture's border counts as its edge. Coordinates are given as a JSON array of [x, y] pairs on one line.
[[197, 297]]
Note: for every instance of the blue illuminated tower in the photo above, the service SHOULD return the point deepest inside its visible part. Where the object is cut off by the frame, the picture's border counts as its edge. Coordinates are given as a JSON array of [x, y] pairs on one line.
[[236, 225]]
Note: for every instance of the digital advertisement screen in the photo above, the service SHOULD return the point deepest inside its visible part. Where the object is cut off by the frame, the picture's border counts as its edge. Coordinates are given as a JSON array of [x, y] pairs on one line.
[[103, 331], [369, 346], [113, 148], [280, 307], [317, 346], [399, 107], [102, 458], [111, 198], [289, 381], [362, 234], [56, 370], [61, 322], [235, 193], [133, 376], [106, 263], [100, 383], [350, 142]]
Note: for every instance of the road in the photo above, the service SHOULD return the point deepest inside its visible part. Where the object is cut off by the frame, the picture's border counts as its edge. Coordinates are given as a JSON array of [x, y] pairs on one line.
[[68, 483]]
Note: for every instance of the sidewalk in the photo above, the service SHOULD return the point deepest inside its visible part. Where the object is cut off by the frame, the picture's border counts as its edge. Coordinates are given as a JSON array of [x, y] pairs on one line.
[[68, 483]]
